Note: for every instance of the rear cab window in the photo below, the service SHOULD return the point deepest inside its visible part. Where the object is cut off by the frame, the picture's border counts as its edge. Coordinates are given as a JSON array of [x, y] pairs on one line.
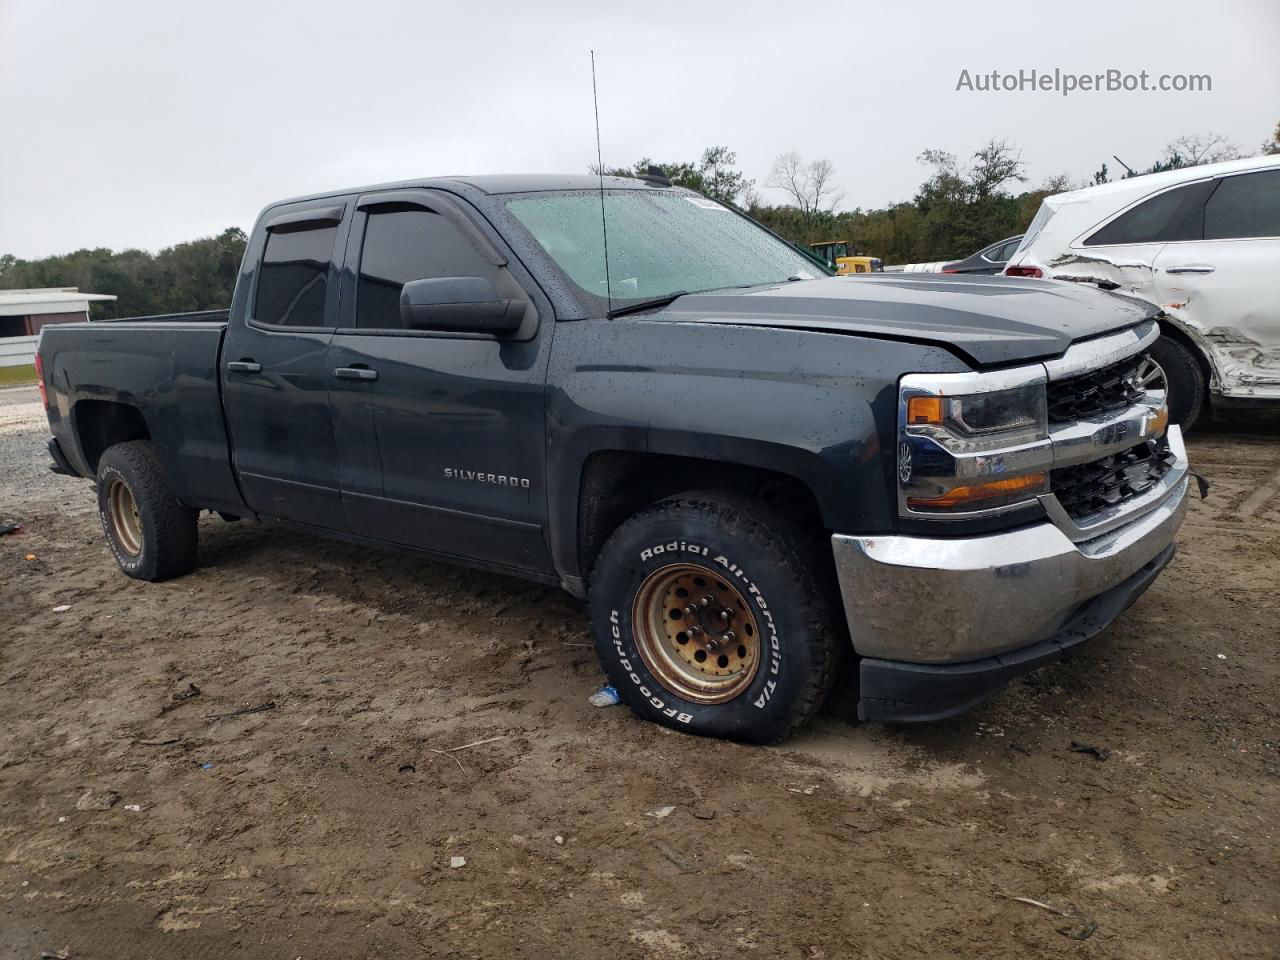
[[293, 282]]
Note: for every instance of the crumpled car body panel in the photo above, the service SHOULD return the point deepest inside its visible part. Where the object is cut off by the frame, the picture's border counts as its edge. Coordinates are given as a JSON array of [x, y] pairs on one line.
[[1232, 314]]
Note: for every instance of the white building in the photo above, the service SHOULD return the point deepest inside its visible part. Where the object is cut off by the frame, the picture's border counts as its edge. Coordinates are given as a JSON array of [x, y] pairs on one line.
[[24, 312]]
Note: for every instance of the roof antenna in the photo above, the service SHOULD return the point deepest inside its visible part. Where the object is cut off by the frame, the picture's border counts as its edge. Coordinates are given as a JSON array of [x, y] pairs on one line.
[[1123, 164], [604, 225]]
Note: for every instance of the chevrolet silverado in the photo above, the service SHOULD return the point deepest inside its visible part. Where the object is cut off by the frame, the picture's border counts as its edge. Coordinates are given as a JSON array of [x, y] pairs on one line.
[[748, 468]]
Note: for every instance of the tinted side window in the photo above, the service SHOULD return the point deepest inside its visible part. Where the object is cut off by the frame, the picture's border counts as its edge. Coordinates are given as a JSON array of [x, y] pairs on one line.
[[409, 243], [1002, 253], [1173, 215], [294, 277], [1247, 205]]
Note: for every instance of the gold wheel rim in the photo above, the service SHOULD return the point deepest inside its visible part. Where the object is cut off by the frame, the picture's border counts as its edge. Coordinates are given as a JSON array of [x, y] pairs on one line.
[[126, 522], [696, 633]]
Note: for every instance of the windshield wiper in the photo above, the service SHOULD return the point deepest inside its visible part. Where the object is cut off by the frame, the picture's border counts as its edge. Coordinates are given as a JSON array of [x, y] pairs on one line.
[[643, 305], [794, 278], [657, 302]]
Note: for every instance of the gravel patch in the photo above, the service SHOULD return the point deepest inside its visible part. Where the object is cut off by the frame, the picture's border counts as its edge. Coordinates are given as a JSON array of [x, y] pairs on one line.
[[24, 462]]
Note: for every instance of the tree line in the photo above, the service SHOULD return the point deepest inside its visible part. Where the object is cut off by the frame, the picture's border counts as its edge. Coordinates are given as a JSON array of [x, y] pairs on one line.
[[959, 207], [197, 275]]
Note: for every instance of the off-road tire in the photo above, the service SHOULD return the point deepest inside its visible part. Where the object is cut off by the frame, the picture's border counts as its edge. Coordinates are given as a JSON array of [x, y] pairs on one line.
[[1184, 379], [166, 541], [770, 561]]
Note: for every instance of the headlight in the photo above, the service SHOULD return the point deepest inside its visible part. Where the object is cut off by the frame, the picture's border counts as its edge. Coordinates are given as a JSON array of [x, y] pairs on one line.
[[980, 420], [971, 443]]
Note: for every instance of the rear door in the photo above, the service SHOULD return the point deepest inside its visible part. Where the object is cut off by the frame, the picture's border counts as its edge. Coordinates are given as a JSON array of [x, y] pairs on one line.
[[1227, 284], [441, 436], [275, 373]]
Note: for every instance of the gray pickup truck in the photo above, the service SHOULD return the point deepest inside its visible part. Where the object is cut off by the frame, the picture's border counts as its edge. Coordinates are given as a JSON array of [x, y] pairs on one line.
[[749, 468]]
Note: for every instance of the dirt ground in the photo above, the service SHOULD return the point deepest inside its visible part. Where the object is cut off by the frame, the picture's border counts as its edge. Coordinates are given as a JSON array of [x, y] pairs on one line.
[[324, 824]]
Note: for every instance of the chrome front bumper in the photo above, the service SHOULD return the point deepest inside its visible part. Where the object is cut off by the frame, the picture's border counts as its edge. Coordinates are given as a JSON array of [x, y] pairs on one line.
[[950, 600]]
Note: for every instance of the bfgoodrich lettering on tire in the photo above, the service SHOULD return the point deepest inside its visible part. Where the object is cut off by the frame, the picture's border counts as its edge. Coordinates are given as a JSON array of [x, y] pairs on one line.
[[151, 534], [710, 616]]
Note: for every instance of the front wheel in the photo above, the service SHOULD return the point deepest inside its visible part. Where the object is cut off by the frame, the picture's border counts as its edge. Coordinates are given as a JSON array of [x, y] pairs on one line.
[[1171, 367], [710, 616], [151, 534]]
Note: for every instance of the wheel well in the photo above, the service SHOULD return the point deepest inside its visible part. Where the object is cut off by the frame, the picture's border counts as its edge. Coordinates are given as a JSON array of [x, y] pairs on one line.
[[618, 483], [1171, 329], [103, 423]]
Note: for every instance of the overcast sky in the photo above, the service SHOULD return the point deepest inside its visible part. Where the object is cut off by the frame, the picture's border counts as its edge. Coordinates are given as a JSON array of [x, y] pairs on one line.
[[140, 123]]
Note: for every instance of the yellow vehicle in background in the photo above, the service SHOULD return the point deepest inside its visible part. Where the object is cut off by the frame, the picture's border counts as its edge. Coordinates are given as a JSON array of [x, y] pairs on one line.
[[842, 260]]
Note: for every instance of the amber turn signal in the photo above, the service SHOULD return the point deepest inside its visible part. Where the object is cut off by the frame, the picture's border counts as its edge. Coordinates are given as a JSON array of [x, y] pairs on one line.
[[978, 492], [924, 410], [1158, 421]]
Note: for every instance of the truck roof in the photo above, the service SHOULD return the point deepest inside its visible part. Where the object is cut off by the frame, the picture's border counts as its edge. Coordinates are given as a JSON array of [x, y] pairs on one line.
[[496, 183]]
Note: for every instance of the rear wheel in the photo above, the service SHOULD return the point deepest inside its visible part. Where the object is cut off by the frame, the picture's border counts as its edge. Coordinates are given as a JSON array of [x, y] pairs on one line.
[[151, 534], [711, 616], [1172, 367]]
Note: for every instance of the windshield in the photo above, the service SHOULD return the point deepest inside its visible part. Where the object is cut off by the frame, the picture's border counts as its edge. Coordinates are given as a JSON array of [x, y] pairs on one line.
[[659, 243]]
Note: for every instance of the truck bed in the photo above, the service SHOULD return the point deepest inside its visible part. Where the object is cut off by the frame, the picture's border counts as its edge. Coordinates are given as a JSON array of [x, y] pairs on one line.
[[163, 371]]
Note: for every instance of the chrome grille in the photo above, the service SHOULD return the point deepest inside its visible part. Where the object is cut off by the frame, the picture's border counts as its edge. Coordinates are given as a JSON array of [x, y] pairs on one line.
[[1086, 488], [1097, 392]]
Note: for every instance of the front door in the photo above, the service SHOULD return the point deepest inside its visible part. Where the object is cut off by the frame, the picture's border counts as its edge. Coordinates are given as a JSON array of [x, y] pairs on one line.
[[440, 436], [275, 373]]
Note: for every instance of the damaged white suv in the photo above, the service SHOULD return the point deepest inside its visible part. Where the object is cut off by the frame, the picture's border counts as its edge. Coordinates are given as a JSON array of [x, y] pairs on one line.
[[1203, 244]]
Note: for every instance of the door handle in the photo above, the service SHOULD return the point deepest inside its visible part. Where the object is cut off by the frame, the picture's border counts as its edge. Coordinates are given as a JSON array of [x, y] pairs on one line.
[[244, 366], [1190, 268], [355, 373]]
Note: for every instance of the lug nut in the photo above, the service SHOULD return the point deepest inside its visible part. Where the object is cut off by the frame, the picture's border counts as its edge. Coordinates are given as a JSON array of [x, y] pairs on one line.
[[706, 601], [691, 610], [730, 637], [695, 631]]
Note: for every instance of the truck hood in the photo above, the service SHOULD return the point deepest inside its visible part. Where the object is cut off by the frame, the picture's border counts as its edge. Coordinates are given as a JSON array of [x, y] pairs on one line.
[[987, 320]]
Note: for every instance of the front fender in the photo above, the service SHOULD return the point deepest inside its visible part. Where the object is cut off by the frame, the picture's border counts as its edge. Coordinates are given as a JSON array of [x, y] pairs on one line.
[[819, 407]]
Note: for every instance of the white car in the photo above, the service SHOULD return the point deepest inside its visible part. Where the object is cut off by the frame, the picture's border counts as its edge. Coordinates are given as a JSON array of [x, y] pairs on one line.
[[1201, 243]]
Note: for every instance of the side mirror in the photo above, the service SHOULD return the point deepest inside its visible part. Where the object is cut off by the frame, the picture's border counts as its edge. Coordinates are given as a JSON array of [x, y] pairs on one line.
[[458, 304]]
